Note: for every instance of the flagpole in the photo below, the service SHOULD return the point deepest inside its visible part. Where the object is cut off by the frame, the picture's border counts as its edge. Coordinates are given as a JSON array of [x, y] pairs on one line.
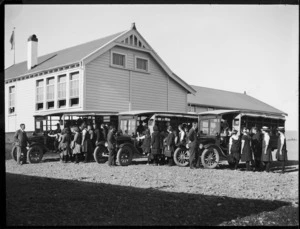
[[14, 46]]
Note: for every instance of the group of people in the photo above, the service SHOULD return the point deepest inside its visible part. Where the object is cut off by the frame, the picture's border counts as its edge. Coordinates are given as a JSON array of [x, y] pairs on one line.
[[255, 147], [160, 146]]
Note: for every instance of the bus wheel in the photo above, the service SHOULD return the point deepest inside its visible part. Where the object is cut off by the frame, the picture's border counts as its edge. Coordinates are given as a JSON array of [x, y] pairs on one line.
[[124, 156], [210, 158], [14, 153], [98, 154], [181, 157], [34, 154]]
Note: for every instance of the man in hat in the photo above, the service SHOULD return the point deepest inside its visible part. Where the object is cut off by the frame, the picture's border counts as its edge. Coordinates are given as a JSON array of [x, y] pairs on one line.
[[193, 146], [266, 156], [281, 153], [21, 140], [111, 140]]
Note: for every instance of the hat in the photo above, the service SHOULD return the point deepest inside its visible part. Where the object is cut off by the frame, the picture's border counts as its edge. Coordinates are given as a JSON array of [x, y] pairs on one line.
[[265, 128], [280, 128]]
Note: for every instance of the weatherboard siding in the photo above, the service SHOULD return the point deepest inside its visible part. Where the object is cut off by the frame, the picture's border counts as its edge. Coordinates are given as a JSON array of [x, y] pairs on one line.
[[115, 89]]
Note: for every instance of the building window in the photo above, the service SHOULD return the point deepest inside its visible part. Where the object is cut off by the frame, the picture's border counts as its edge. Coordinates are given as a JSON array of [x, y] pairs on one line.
[[119, 59], [210, 109], [141, 64], [61, 91], [74, 89], [12, 93], [50, 93], [192, 108], [39, 94]]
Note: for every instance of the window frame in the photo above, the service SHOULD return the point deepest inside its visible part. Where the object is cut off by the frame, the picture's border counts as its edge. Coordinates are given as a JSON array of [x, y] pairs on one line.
[[115, 65], [142, 58], [9, 100], [37, 102], [47, 86]]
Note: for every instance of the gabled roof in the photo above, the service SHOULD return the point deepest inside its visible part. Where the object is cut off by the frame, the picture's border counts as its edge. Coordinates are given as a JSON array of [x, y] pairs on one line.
[[229, 100], [66, 56], [85, 52]]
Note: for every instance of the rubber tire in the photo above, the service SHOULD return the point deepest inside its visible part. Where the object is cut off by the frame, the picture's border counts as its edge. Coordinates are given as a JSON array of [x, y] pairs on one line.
[[205, 153], [98, 154], [120, 153], [33, 149], [14, 153], [186, 163]]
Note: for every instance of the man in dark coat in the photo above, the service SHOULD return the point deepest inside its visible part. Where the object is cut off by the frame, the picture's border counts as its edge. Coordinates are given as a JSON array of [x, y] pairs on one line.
[[256, 144], [21, 140], [111, 140], [155, 144], [193, 146]]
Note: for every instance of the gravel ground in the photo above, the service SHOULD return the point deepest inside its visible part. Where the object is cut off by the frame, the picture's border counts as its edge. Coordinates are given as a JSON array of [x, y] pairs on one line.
[[52, 193]]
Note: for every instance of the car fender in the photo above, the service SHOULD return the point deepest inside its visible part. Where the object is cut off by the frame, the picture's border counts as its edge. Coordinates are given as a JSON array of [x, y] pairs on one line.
[[44, 148], [101, 143]]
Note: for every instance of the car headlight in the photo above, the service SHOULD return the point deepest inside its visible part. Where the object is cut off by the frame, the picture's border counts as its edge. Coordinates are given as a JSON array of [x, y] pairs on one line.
[[106, 144], [201, 146]]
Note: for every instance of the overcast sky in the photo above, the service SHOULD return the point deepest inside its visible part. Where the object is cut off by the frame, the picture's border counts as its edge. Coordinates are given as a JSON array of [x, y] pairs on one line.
[[229, 47]]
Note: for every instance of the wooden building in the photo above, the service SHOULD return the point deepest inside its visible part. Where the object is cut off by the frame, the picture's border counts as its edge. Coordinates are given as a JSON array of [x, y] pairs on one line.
[[120, 72]]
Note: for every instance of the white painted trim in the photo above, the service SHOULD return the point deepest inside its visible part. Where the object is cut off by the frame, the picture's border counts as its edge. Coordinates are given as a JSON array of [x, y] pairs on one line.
[[143, 58], [115, 65]]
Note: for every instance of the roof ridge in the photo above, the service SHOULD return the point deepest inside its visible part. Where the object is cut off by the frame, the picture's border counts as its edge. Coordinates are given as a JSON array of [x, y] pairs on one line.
[[219, 90], [55, 52]]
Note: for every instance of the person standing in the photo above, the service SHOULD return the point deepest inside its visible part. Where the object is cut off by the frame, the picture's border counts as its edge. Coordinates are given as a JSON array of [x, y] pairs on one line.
[[76, 144], [266, 156], [111, 141], [170, 143], [193, 146], [246, 153], [85, 141], [256, 146], [21, 141], [155, 144], [234, 148], [57, 134], [281, 153], [182, 136], [146, 145], [65, 145]]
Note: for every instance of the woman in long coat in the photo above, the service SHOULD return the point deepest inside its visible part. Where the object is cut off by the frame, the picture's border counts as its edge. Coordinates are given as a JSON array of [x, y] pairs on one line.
[[234, 149], [246, 153], [281, 153], [155, 144], [170, 145], [266, 155], [76, 144], [146, 145], [66, 145], [256, 145]]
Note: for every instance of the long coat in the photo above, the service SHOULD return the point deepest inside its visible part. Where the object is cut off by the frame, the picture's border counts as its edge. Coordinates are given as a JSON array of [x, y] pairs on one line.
[[156, 142], [21, 138], [77, 143], [146, 144], [192, 136], [170, 143], [111, 140], [283, 156], [268, 156], [247, 153], [256, 145]]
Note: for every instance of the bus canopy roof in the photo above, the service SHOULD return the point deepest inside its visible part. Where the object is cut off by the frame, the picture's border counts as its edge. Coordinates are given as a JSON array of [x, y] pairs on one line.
[[163, 113], [77, 113]]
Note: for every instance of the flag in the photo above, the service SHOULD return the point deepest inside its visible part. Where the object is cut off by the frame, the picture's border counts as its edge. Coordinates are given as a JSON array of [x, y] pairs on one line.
[[12, 40]]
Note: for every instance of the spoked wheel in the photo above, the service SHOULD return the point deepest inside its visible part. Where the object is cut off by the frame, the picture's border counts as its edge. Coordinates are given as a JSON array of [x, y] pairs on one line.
[[14, 153], [210, 158], [34, 154], [98, 154], [181, 157], [124, 156]]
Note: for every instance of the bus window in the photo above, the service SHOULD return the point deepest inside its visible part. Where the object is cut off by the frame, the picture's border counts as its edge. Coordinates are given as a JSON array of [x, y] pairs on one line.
[[214, 126], [131, 126], [123, 125], [204, 127]]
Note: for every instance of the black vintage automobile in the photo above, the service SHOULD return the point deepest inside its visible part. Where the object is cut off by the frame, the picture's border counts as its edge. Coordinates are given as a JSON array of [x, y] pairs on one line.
[[213, 135], [129, 143]]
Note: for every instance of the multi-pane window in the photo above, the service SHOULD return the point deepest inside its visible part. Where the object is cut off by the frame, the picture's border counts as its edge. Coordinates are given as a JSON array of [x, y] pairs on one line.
[[39, 94], [61, 87], [50, 89], [142, 64], [50, 93], [74, 88], [118, 59], [12, 90]]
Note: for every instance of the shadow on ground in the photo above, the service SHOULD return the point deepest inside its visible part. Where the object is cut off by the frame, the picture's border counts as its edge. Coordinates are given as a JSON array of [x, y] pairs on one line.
[[37, 201]]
